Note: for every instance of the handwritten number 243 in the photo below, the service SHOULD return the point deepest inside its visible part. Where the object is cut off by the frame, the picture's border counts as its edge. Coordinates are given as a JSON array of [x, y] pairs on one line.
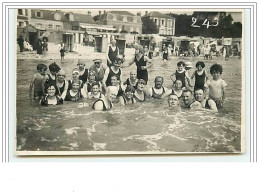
[[205, 23]]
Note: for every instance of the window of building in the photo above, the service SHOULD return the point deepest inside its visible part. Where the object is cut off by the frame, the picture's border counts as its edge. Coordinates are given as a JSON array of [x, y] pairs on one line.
[[58, 27], [169, 23], [71, 17], [39, 25], [41, 33], [130, 19], [156, 21], [20, 12], [50, 26], [162, 22], [124, 18], [120, 18], [57, 16], [38, 14], [21, 24]]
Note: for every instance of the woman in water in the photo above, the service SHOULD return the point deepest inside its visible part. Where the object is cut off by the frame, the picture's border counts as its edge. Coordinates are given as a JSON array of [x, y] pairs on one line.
[[51, 97], [127, 97], [96, 91], [105, 103], [140, 95]]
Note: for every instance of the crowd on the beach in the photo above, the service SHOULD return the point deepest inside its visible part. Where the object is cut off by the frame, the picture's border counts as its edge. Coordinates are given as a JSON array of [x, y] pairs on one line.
[[105, 84]]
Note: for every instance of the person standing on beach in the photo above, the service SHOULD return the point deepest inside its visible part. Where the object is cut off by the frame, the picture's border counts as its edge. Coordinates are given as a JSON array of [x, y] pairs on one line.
[[20, 41], [142, 63], [45, 48], [62, 50], [39, 48], [112, 53]]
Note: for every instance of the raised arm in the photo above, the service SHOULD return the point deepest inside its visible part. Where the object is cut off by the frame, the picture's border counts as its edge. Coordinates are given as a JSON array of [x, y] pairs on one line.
[[107, 55], [132, 61], [63, 95], [107, 71], [31, 88]]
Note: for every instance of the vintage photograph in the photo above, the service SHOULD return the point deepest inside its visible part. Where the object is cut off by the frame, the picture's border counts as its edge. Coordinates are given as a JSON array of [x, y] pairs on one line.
[[129, 81]]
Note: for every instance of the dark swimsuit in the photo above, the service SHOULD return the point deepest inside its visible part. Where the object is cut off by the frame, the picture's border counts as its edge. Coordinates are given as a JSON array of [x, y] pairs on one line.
[[112, 55], [125, 101], [155, 95], [181, 77], [50, 81], [73, 98], [199, 80], [111, 74], [44, 101], [84, 76], [104, 107], [173, 93], [138, 100], [141, 74]]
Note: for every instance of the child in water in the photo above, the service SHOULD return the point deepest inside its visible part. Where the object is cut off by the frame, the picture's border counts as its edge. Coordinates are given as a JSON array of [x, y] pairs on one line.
[[180, 74], [51, 78], [36, 90], [200, 76], [216, 86]]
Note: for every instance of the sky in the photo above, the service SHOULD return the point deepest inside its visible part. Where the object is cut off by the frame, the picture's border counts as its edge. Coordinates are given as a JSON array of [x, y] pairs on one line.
[[237, 16]]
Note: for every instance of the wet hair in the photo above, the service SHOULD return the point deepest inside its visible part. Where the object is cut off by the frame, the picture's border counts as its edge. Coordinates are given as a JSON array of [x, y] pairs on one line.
[[216, 68], [187, 90], [200, 63], [117, 77], [129, 88], [96, 83], [50, 85], [181, 63], [178, 80], [198, 89], [41, 67], [160, 78], [54, 67]]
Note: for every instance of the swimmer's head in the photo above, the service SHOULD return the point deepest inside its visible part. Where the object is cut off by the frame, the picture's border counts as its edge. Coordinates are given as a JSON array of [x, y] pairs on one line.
[[187, 96], [133, 74], [80, 63], [188, 65], [95, 87], [75, 85], [173, 100], [199, 95], [129, 91], [180, 65], [42, 68], [75, 74], [113, 42], [112, 92], [54, 68], [114, 80], [118, 61], [141, 84], [61, 75], [178, 84], [216, 68], [159, 82], [51, 90], [201, 64]]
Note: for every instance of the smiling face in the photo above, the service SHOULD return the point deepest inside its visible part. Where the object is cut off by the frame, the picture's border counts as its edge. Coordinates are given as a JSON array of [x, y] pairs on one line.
[[75, 75], [199, 95], [95, 89], [61, 77], [133, 75], [180, 68], [114, 81], [173, 101], [158, 82], [75, 86], [51, 91], [97, 64]]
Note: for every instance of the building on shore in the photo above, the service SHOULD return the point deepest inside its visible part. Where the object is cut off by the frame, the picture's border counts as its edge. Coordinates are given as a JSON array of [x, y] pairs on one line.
[[123, 21], [165, 23], [56, 25]]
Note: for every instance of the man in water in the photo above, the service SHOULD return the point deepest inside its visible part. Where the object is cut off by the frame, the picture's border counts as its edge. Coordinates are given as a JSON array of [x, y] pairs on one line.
[[189, 101], [158, 90], [98, 68], [205, 103]]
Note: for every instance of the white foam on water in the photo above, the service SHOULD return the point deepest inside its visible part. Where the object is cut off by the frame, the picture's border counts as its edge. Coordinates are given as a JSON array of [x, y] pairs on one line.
[[99, 146], [47, 140], [72, 130], [73, 146], [91, 130]]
